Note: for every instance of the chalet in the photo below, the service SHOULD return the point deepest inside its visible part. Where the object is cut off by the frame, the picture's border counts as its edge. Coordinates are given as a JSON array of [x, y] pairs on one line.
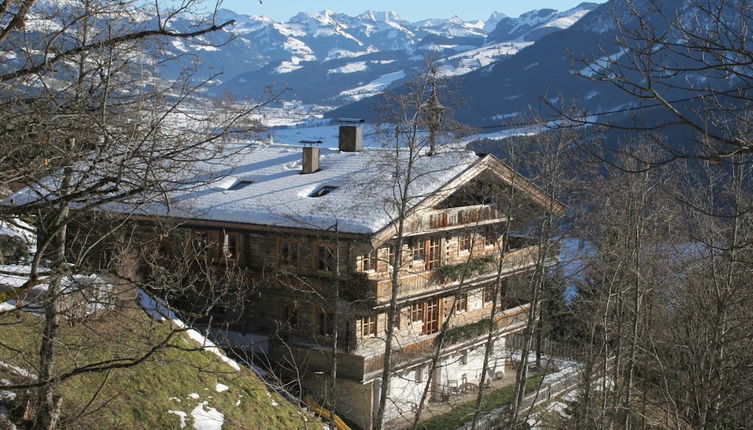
[[316, 230]]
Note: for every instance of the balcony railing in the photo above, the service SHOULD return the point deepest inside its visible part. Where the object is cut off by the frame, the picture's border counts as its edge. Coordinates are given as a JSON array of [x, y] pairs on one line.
[[442, 219], [509, 320], [433, 280]]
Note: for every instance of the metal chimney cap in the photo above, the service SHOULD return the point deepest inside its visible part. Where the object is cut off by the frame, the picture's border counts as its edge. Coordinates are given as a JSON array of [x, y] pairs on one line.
[[310, 142], [350, 120]]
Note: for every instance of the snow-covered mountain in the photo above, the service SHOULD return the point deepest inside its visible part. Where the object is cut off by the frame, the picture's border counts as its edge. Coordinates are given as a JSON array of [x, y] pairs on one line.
[[553, 71], [329, 58]]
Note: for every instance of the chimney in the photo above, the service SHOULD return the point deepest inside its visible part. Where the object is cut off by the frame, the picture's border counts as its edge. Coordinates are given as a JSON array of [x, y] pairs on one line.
[[310, 156], [351, 135]]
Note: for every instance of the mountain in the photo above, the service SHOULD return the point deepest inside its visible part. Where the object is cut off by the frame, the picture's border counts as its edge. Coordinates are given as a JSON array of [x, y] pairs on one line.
[[331, 59], [548, 72]]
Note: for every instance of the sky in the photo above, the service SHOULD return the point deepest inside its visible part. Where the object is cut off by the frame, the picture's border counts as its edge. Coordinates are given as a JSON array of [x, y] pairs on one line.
[[411, 10]]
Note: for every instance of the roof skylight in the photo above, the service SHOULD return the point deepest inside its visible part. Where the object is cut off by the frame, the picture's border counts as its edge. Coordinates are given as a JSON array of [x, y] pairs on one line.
[[323, 191], [240, 185]]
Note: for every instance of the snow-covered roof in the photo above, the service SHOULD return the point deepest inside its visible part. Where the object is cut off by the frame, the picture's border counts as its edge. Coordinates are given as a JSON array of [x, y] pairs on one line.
[[266, 187]]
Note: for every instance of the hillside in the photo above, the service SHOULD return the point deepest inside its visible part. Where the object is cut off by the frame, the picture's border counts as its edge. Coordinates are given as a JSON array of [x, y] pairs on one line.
[[175, 388]]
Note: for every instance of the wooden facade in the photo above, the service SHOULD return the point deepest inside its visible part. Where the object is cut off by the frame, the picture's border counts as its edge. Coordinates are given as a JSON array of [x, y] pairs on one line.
[[317, 286]]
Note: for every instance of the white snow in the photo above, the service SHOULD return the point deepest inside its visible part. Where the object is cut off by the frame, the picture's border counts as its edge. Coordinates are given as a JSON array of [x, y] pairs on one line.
[[359, 66], [160, 312], [374, 87], [221, 387], [274, 403], [182, 415], [473, 59], [207, 419], [175, 399], [194, 396], [19, 371], [280, 194], [601, 64]]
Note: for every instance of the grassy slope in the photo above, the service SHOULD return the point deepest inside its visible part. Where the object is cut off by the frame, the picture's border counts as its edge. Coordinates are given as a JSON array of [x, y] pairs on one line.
[[139, 397]]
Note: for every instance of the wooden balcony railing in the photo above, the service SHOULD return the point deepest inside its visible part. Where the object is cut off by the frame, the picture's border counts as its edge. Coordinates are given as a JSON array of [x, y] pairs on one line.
[[433, 280], [509, 320], [441, 219]]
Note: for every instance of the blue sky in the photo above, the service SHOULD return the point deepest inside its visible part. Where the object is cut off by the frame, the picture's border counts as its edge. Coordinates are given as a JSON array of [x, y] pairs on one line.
[[411, 10]]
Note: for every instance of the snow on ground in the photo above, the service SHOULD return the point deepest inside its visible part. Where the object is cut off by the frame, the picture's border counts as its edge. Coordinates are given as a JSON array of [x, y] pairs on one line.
[[601, 64], [207, 419], [358, 66], [470, 60], [220, 387], [19, 228], [182, 415], [19, 371], [160, 312], [94, 290], [374, 87], [194, 396]]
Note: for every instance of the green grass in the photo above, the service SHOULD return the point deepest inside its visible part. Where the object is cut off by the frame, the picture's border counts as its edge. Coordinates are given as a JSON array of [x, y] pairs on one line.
[[464, 412], [139, 397]]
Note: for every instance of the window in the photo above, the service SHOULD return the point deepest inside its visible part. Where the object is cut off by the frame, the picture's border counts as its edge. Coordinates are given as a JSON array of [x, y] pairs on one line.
[[288, 315], [464, 358], [367, 262], [325, 322], [489, 293], [464, 242], [431, 316], [491, 235], [389, 251], [323, 191], [434, 253], [426, 311], [368, 325], [205, 242], [230, 245], [418, 375], [324, 259], [416, 312], [288, 252], [461, 303], [416, 249]]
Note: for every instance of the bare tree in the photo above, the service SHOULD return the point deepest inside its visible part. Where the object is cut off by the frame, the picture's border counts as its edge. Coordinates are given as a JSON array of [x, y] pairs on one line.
[[89, 124]]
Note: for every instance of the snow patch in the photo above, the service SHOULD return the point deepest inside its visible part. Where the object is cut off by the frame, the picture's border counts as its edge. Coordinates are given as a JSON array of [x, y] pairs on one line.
[[221, 387], [194, 396], [160, 312], [207, 419], [182, 415], [374, 87], [359, 66]]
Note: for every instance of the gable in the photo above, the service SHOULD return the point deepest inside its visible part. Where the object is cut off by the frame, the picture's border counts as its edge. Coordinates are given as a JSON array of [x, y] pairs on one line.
[[487, 192]]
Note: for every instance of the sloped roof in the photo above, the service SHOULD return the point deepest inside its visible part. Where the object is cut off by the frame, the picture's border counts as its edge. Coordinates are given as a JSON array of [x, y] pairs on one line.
[[266, 187], [363, 200]]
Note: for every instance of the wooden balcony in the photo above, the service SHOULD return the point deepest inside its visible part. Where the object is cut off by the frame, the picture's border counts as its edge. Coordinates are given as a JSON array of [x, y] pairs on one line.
[[447, 219], [430, 281], [508, 321]]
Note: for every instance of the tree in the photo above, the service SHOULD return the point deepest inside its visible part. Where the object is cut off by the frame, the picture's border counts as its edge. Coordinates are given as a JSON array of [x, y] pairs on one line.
[[89, 124], [406, 116], [685, 65]]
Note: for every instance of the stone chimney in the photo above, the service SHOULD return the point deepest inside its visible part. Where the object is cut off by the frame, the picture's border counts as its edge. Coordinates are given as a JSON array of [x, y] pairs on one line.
[[351, 135], [310, 156]]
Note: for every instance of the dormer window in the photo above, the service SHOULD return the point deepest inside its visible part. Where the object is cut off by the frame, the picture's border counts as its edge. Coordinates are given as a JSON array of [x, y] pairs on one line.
[[323, 191]]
